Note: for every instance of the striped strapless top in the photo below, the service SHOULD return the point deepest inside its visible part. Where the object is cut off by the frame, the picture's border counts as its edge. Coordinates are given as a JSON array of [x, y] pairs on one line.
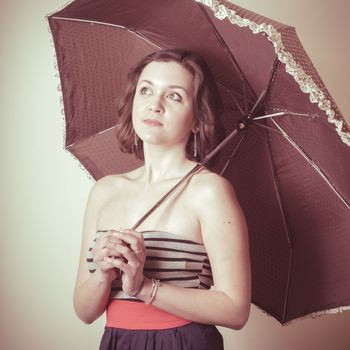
[[171, 259]]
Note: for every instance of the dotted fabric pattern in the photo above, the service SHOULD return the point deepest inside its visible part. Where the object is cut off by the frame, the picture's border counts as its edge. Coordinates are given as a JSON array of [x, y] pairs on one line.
[[286, 201]]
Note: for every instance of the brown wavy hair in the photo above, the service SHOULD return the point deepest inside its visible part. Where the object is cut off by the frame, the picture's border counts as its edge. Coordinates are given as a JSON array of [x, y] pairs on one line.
[[206, 103]]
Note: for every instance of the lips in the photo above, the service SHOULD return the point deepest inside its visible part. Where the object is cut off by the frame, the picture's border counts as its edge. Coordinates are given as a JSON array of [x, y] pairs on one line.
[[152, 122]]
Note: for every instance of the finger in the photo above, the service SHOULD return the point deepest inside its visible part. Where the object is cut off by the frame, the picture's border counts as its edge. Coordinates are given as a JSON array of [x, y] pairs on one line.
[[134, 261], [137, 234], [104, 234], [100, 247], [100, 238], [106, 252], [133, 238], [102, 264], [124, 251], [111, 231], [118, 263], [107, 241], [105, 266]]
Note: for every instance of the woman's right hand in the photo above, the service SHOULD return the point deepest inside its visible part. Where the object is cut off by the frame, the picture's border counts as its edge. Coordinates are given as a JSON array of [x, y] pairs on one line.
[[105, 246]]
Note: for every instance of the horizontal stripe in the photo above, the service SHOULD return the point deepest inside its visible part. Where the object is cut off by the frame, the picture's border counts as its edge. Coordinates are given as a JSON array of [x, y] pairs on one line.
[[205, 286], [160, 258], [182, 241], [182, 278], [173, 265], [152, 255], [130, 315], [169, 275], [170, 258], [175, 250], [159, 269]]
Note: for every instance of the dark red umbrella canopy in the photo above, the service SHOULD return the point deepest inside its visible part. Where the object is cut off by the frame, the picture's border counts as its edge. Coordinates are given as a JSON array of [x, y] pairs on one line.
[[291, 173]]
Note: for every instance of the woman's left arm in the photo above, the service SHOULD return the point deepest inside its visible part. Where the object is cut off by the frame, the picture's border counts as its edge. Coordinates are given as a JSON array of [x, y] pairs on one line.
[[225, 237]]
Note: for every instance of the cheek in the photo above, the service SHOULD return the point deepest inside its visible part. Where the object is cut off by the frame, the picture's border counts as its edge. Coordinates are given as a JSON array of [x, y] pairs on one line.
[[133, 115], [135, 111], [135, 104]]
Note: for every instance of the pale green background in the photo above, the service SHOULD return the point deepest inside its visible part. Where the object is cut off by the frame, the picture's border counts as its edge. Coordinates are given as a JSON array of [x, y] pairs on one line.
[[43, 190]]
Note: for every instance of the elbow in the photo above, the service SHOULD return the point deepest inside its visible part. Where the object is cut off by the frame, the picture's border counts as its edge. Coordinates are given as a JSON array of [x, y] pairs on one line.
[[239, 320], [84, 316], [239, 324], [87, 319], [243, 317]]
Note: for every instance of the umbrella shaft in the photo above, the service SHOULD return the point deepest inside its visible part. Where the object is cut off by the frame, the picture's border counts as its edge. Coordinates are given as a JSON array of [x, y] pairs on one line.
[[195, 169], [209, 156]]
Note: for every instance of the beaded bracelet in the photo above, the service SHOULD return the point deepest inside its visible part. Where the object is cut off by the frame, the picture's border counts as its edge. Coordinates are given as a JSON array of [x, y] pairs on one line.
[[155, 285]]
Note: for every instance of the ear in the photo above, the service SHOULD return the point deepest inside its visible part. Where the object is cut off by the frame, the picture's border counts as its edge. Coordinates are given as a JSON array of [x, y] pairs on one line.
[[195, 127], [195, 124]]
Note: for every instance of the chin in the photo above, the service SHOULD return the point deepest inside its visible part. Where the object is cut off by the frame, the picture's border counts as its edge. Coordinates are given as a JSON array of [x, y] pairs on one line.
[[152, 139]]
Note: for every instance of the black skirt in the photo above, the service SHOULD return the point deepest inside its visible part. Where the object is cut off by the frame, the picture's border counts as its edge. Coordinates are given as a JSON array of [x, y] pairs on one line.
[[192, 336]]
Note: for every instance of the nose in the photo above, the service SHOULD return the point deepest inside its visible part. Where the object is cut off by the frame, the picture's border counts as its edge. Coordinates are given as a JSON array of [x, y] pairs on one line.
[[156, 105]]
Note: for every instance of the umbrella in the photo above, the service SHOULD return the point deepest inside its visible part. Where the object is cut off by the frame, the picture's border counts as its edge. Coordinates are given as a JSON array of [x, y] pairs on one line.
[[289, 164]]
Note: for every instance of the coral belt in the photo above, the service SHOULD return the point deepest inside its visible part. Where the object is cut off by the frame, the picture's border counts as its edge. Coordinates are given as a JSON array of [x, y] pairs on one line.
[[137, 315]]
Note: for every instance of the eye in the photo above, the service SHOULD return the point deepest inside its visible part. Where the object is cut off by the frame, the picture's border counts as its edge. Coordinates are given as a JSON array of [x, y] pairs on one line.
[[175, 96], [145, 90]]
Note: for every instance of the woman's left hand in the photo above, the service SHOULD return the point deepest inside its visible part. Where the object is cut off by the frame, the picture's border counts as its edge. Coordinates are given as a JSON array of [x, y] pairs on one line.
[[133, 261]]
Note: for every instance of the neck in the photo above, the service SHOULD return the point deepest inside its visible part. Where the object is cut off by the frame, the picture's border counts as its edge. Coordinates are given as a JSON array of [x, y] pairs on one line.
[[164, 164]]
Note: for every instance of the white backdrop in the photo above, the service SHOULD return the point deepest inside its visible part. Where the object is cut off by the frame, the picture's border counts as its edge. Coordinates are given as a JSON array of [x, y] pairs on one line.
[[43, 190]]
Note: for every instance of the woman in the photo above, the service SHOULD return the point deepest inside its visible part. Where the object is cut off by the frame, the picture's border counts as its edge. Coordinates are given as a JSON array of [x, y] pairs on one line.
[[154, 283]]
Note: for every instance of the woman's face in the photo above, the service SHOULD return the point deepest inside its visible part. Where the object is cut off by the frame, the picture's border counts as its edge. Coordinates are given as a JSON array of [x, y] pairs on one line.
[[162, 111]]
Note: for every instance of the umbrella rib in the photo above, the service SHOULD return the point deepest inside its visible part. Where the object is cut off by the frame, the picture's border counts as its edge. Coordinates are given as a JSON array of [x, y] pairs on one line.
[[143, 37], [224, 45], [279, 199], [266, 127], [280, 114], [312, 163], [275, 65], [232, 95], [287, 230], [88, 21], [91, 136], [231, 155]]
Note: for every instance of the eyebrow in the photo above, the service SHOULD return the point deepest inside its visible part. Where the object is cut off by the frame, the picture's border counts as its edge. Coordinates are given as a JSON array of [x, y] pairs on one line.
[[169, 86]]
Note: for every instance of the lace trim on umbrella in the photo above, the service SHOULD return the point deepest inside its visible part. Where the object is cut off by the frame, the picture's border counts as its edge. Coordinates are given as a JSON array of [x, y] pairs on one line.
[[317, 314], [305, 82], [59, 89], [335, 310]]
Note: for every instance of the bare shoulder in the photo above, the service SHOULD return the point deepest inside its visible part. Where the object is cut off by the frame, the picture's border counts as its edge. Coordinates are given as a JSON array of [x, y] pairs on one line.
[[109, 185], [104, 185], [209, 185], [214, 198]]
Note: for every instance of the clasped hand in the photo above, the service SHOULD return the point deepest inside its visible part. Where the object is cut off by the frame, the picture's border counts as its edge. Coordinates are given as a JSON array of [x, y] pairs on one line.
[[124, 251]]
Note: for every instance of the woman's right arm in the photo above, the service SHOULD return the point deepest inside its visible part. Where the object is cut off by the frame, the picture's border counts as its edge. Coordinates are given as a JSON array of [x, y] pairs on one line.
[[92, 290]]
